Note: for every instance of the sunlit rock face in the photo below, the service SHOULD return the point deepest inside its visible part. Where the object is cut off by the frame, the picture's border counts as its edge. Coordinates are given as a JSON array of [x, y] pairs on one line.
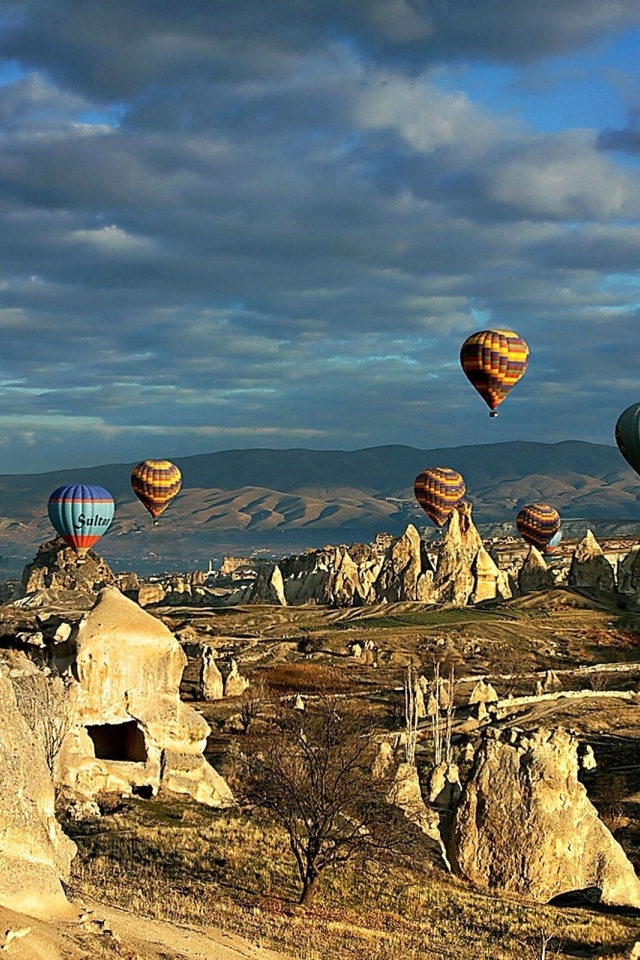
[[35, 855], [589, 566], [56, 566], [131, 731], [524, 824]]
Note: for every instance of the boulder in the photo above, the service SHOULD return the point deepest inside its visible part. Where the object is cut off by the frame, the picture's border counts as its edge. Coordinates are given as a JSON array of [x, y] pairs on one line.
[[534, 573], [589, 566], [525, 826], [35, 855], [629, 575]]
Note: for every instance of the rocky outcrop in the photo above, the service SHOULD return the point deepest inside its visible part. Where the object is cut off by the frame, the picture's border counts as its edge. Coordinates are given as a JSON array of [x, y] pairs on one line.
[[211, 682], [56, 566], [490, 581], [454, 578], [131, 732], [268, 586], [235, 684], [629, 575], [525, 826], [406, 572], [534, 573], [589, 566], [35, 856]]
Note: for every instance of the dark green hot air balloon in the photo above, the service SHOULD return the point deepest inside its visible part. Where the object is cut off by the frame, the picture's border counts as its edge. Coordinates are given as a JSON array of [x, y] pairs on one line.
[[628, 435]]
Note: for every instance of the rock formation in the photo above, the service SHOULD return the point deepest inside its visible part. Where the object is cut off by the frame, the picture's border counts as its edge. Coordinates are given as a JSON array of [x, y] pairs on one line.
[[483, 692], [131, 732], [34, 853], [56, 565], [534, 573], [454, 578], [211, 683], [629, 575], [235, 684], [406, 572], [524, 824], [268, 586], [590, 567]]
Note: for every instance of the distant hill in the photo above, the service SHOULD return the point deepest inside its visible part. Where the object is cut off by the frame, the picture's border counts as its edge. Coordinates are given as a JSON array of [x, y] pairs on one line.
[[291, 499]]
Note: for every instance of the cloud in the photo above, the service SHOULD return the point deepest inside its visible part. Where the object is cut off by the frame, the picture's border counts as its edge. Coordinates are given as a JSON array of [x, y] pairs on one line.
[[268, 227]]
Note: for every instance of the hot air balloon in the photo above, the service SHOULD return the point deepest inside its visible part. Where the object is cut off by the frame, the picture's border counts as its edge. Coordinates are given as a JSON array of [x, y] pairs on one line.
[[628, 435], [81, 514], [155, 484], [439, 490], [537, 523], [493, 361], [554, 542]]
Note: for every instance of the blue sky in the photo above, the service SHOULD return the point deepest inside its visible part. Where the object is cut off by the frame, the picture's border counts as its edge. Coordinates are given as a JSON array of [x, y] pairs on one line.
[[241, 224]]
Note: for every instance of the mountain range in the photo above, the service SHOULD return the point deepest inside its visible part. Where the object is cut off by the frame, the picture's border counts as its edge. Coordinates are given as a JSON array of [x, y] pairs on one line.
[[284, 500]]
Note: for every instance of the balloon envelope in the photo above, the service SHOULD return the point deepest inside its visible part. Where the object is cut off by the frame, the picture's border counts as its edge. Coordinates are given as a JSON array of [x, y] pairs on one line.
[[155, 484], [439, 490], [81, 514], [554, 542], [628, 435], [537, 523], [493, 361]]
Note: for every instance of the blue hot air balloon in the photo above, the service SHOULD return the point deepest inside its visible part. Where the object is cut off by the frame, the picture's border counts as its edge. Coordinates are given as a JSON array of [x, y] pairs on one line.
[[554, 542], [81, 514]]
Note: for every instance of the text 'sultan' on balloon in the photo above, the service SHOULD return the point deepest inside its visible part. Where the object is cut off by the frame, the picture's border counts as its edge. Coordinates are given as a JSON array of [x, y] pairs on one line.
[[628, 435], [493, 361], [155, 484], [439, 490], [81, 514], [538, 523]]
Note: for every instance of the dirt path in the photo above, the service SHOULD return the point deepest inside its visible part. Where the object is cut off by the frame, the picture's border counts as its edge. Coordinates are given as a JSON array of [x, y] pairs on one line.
[[109, 933]]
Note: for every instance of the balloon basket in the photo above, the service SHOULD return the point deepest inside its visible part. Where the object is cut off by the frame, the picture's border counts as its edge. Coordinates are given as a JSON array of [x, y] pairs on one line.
[[493, 413]]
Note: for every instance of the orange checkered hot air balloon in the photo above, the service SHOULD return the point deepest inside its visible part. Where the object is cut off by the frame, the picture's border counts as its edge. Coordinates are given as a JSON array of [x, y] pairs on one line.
[[439, 490], [493, 361], [155, 484], [538, 523]]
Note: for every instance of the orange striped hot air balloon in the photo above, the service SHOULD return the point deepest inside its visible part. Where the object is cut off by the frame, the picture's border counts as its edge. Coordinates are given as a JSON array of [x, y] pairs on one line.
[[538, 523], [155, 484], [439, 490], [493, 361]]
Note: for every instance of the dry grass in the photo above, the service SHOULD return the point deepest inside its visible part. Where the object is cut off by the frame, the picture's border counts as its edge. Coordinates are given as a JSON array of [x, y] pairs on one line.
[[186, 864]]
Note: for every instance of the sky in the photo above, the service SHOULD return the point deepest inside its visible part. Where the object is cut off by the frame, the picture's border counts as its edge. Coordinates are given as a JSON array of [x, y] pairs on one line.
[[272, 223]]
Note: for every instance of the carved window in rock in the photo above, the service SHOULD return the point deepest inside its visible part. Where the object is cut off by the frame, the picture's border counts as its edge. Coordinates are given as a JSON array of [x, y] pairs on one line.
[[118, 741]]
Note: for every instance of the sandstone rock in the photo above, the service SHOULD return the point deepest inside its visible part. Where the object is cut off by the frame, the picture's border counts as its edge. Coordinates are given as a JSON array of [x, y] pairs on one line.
[[299, 704], [211, 682], [590, 567], [383, 760], [402, 569], [235, 684], [268, 586], [534, 573], [56, 565], [420, 707], [35, 855], [454, 580], [629, 575], [444, 786], [551, 681], [150, 593], [525, 826], [129, 721], [405, 793], [483, 692], [490, 581]]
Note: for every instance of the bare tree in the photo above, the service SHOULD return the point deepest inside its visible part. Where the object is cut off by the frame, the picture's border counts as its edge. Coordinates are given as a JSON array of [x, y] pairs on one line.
[[410, 715], [540, 948], [252, 702], [442, 719], [45, 703], [313, 775]]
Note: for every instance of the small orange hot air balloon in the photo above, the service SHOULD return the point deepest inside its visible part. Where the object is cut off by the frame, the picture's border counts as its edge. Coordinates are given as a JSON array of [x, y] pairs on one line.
[[155, 484], [439, 490], [493, 361]]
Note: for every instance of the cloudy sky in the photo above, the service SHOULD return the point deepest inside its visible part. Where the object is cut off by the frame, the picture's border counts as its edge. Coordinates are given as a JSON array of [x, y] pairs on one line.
[[241, 223]]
